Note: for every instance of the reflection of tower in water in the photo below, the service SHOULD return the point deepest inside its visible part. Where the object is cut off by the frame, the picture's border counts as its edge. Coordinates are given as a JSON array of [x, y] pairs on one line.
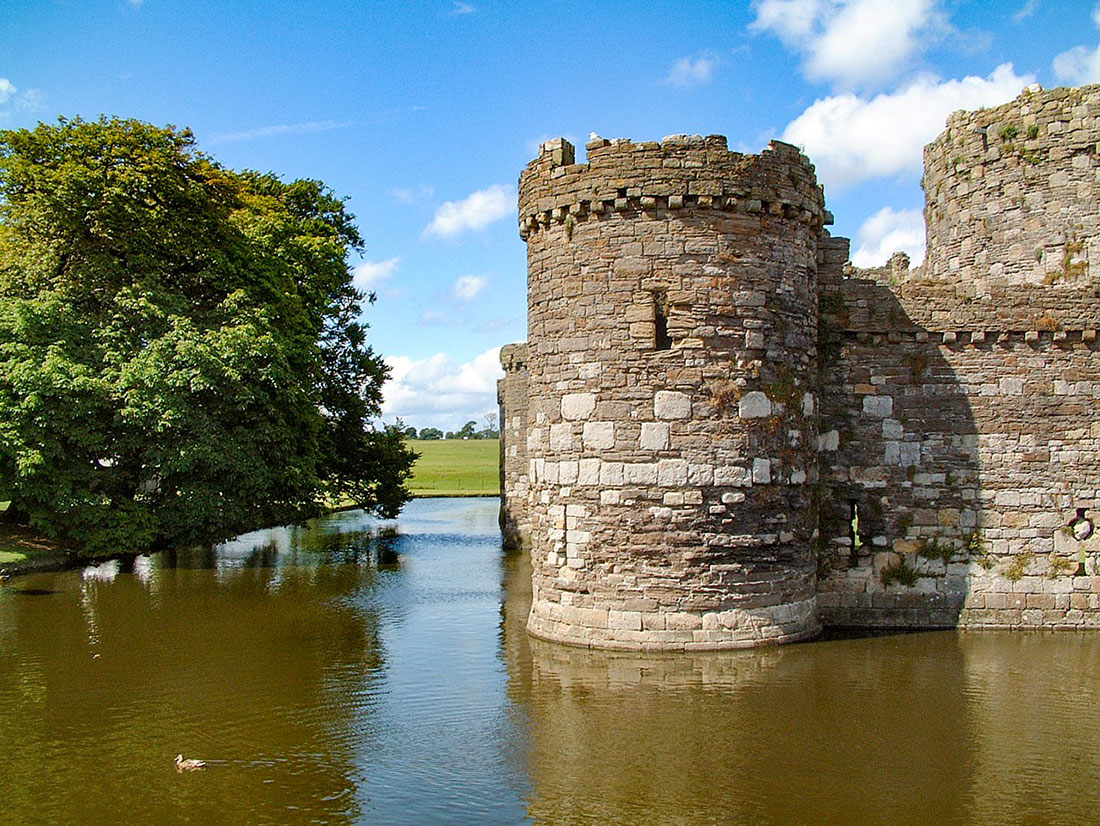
[[856, 731]]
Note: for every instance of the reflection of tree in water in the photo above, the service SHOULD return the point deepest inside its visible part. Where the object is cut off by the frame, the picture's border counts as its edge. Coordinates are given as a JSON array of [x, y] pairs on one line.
[[266, 666]]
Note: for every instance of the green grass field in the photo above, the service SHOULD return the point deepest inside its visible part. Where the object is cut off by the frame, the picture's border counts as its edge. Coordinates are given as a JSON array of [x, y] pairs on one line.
[[456, 467]]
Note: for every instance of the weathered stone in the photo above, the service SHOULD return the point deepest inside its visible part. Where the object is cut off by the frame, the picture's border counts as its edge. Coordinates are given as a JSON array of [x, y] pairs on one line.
[[670, 404], [577, 405], [944, 413], [754, 405], [599, 435]]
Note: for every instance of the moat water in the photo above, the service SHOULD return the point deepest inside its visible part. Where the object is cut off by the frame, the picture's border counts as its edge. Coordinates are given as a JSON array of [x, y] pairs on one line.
[[329, 674]]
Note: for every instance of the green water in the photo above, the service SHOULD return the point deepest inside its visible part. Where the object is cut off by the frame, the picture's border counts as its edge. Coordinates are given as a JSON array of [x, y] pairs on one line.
[[331, 676]]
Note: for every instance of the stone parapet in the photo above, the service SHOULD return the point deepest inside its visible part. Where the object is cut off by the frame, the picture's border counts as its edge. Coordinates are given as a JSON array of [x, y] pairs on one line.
[[682, 172]]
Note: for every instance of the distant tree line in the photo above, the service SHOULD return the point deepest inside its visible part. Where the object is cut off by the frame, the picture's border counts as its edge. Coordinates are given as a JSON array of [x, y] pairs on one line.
[[467, 431]]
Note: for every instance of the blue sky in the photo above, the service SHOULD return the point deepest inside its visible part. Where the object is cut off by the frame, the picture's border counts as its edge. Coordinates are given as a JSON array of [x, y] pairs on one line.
[[423, 114]]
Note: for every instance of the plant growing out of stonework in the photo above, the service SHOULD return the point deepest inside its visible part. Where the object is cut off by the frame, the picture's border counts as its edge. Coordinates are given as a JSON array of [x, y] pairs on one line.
[[1018, 566], [899, 573], [181, 351], [1060, 566], [935, 549]]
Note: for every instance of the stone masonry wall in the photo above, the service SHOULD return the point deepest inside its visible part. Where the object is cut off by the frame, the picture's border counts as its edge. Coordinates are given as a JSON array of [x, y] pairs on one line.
[[672, 368], [515, 520], [717, 403], [1010, 192], [961, 399]]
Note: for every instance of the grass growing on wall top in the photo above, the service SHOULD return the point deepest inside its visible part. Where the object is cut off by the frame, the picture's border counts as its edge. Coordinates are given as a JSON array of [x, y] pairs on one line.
[[456, 467]]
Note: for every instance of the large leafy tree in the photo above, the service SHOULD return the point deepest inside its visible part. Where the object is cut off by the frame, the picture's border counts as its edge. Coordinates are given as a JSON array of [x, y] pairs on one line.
[[181, 356]]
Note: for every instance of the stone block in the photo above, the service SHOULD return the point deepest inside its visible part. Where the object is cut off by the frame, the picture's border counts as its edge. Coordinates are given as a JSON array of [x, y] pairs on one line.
[[754, 405], [670, 404], [611, 474], [761, 471], [640, 473], [732, 476], [654, 436], [878, 407], [577, 406], [599, 435], [561, 436], [588, 474], [672, 473]]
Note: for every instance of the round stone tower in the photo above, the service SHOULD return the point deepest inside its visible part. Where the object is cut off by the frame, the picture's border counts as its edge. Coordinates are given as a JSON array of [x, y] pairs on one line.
[[672, 331], [1012, 195]]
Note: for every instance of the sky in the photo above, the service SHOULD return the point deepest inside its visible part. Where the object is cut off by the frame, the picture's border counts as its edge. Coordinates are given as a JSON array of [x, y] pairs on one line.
[[423, 113]]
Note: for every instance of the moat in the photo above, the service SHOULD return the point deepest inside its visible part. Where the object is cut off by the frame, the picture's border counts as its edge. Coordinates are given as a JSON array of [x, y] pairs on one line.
[[338, 673]]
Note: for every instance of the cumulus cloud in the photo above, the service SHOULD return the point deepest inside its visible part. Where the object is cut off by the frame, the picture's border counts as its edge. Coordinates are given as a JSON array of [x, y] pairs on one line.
[[469, 287], [7, 89], [369, 274], [852, 138], [853, 43], [474, 212], [438, 392], [692, 71], [1080, 64], [889, 231]]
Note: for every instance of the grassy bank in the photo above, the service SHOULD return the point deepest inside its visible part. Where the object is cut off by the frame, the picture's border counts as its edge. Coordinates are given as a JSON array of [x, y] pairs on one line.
[[453, 467], [456, 467], [21, 548]]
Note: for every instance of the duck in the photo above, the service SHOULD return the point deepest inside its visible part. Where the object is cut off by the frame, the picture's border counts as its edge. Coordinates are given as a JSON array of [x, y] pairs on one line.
[[188, 765]]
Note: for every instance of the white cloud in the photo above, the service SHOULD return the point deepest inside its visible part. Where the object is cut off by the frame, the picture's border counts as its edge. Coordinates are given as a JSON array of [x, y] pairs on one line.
[[436, 318], [462, 8], [31, 100], [853, 43], [1080, 64], [474, 212], [852, 139], [412, 194], [438, 392], [369, 274], [469, 287], [1025, 11], [688, 71], [7, 89], [887, 232], [279, 129]]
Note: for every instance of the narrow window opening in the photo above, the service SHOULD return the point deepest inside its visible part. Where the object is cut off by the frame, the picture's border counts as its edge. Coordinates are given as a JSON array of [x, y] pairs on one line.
[[662, 340], [853, 530]]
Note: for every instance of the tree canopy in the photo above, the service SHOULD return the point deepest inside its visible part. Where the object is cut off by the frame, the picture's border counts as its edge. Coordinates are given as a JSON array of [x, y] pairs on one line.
[[181, 351]]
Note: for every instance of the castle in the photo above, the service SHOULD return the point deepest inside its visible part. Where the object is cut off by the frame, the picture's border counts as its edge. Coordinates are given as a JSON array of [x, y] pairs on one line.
[[720, 434]]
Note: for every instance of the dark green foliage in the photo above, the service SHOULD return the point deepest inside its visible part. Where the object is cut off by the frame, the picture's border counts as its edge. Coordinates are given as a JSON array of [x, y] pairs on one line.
[[899, 573], [180, 352]]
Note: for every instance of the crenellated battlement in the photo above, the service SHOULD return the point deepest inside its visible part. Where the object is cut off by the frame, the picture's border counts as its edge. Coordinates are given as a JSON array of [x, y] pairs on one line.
[[681, 173], [513, 357]]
